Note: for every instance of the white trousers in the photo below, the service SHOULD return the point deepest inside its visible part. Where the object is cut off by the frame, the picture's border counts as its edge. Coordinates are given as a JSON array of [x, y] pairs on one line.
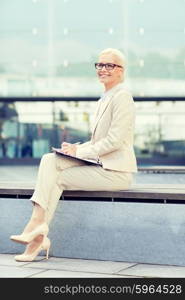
[[57, 173]]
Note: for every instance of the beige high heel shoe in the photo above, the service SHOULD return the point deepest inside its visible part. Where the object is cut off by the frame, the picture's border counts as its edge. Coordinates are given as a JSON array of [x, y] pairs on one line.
[[26, 238], [30, 257]]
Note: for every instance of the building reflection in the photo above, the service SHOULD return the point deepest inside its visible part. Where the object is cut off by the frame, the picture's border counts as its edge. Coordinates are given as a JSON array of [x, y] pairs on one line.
[[9, 129], [30, 129]]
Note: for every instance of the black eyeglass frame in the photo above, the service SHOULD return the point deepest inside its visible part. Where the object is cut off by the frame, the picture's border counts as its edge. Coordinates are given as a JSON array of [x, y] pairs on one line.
[[106, 66]]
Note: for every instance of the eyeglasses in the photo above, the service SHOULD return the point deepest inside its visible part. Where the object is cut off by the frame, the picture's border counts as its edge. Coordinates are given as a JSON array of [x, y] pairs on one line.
[[108, 66]]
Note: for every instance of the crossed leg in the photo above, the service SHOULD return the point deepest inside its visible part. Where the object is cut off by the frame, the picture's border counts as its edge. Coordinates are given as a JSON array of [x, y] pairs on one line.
[[58, 173]]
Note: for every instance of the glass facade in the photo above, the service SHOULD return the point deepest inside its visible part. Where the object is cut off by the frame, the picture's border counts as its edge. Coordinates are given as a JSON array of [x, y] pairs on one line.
[[48, 49], [30, 129]]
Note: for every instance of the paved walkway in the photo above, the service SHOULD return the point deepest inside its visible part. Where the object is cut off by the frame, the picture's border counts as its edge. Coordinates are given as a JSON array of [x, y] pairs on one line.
[[78, 268]]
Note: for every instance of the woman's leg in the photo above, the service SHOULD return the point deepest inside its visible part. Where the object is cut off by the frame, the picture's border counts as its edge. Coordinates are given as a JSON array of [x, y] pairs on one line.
[[94, 178], [47, 191], [37, 218], [56, 174], [90, 178], [46, 195]]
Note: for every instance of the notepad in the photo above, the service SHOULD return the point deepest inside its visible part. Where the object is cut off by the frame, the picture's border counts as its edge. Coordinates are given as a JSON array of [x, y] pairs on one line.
[[87, 161]]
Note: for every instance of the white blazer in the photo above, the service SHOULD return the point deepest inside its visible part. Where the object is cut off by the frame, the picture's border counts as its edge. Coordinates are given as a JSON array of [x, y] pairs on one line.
[[112, 133]]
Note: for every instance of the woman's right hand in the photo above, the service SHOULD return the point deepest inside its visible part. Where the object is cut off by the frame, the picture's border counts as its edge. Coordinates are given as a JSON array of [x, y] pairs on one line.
[[68, 148]]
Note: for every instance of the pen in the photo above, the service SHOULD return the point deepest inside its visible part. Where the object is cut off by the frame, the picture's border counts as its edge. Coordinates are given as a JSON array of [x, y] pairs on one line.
[[77, 143]]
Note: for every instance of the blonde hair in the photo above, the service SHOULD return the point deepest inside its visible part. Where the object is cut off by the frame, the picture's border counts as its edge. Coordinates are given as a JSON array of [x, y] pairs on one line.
[[119, 55]]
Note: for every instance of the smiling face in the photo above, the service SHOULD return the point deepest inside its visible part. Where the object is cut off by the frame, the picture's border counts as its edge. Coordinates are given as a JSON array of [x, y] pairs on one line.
[[110, 78]]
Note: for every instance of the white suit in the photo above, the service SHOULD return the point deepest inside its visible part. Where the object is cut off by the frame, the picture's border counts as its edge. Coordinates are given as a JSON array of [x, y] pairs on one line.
[[111, 143]]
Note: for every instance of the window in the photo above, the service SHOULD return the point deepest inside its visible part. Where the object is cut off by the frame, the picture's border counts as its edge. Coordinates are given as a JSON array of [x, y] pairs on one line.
[[48, 47]]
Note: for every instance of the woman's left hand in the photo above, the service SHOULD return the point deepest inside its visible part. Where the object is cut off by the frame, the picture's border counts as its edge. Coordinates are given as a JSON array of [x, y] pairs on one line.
[[69, 149]]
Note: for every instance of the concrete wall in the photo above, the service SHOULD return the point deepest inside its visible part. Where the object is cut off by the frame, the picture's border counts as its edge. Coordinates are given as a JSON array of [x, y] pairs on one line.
[[131, 232]]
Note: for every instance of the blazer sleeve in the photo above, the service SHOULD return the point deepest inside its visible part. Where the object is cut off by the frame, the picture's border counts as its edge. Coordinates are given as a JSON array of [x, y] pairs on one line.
[[80, 146], [123, 112]]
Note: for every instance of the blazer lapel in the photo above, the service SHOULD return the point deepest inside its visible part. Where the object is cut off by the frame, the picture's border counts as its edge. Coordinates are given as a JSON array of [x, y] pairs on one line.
[[100, 111], [101, 108]]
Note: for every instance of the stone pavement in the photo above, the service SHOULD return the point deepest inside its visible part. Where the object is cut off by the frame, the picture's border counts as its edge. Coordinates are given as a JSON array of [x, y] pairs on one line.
[[78, 268]]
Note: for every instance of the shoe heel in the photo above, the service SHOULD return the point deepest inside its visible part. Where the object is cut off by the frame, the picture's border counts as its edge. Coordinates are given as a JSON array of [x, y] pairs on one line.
[[30, 257], [47, 253], [46, 246]]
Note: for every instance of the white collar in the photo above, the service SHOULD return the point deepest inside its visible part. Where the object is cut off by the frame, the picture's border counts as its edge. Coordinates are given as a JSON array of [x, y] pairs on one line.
[[110, 92]]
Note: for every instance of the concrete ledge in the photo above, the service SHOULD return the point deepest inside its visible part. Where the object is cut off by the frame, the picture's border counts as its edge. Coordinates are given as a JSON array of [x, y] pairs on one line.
[[117, 231], [144, 224], [152, 193]]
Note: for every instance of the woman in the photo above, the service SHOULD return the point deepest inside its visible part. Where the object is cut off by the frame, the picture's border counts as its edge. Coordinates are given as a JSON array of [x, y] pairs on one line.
[[111, 143]]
